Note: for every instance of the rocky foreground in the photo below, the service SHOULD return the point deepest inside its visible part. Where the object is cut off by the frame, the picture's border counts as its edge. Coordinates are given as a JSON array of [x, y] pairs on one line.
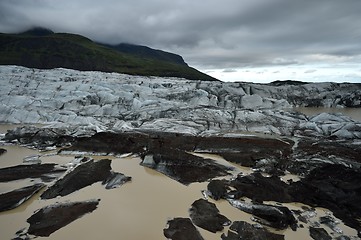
[[166, 121]]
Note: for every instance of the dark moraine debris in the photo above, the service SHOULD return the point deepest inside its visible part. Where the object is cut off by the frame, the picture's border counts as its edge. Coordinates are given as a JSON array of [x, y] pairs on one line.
[[260, 188], [324, 150], [135, 142], [13, 199], [278, 217], [51, 218], [206, 215], [250, 151], [218, 189], [242, 150], [275, 216], [28, 171], [334, 187], [254, 186], [40, 137], [244, 230], [22, 235], [256, 147], [106, 142], [184, 167], [343, 237], [319, 234], [181, 229], [83, 175], [2, 151], [331, 222]]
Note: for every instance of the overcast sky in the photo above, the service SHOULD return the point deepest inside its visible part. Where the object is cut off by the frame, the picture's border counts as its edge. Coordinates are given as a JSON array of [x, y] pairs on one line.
[[233, 40]]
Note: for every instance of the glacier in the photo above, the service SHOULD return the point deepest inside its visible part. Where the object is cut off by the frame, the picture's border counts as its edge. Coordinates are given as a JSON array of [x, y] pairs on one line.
[[98, 101]]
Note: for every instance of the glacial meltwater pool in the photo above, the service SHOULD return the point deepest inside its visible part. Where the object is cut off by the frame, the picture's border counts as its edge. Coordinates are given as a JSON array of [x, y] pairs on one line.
[[354, 113]]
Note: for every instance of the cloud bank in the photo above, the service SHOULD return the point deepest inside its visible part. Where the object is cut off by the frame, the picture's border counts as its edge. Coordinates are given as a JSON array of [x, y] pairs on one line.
[[211, 35]]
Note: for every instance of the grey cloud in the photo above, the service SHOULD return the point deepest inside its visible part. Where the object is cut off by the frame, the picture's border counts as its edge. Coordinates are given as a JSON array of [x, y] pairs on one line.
[[209, 34], [311, 71], [230, 70]]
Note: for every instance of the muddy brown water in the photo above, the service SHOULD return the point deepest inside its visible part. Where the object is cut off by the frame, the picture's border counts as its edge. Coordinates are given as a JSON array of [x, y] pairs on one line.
[[137, 210], [354, 113]]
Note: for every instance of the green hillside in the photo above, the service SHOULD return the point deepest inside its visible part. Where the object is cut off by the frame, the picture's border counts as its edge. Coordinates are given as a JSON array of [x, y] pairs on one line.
[[147, 52], [46, 50]]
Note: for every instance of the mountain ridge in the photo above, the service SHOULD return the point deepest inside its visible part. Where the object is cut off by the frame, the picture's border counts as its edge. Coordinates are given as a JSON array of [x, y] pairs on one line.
[[42, 48]]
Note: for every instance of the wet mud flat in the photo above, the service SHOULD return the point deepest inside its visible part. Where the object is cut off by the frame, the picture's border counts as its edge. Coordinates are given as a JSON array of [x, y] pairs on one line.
[[328, 172]]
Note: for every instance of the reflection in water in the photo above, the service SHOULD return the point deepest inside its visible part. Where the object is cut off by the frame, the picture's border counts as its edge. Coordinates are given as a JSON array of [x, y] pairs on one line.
[[137, 210]]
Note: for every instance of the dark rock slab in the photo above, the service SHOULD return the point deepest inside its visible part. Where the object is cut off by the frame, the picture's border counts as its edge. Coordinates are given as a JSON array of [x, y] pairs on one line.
[[181, 229], [115, 180], [244, 230], [205, 214], [2, 151], [51, 218], [83, 175], [28, 171], [13, 199], [278, 217], [184, 167], [319, 234]]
